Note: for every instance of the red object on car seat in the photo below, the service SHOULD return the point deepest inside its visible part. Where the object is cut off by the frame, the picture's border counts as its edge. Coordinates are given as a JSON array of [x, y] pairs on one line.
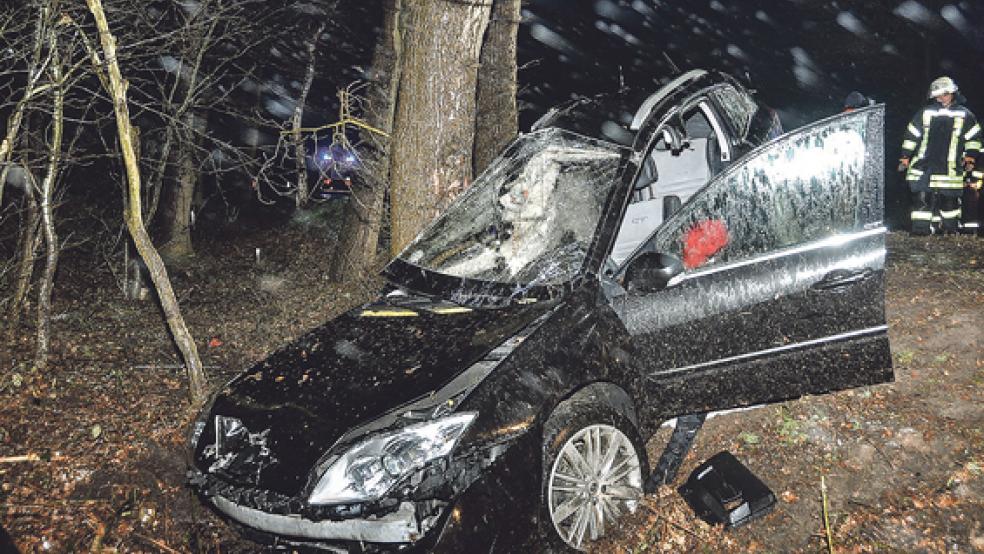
[[704, 240]]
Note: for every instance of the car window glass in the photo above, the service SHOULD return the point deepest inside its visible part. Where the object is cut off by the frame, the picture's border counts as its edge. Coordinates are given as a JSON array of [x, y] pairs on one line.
[[796, 190], [739, 107], [529, 218]]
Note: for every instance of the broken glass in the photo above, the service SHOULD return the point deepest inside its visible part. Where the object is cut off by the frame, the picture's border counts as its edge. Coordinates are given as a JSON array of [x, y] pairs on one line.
[[529, 218]]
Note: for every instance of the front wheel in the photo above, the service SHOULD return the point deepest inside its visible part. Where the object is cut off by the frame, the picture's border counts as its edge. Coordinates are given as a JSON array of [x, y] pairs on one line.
[[594, 463]]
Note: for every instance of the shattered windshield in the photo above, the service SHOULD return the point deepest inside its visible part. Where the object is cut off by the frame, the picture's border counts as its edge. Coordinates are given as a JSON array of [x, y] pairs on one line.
[[529, 218]]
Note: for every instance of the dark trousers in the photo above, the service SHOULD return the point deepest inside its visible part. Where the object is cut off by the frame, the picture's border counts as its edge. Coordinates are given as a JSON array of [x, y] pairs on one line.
[[972, 211], [932, 210]]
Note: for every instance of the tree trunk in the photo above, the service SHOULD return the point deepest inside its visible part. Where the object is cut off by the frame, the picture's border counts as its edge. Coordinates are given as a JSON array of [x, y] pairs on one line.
[[300, 153], [158, 174], [183, 339], [177, 242], [434, 127], [496, 123], [357, 244], [30, 241], [47, 210]]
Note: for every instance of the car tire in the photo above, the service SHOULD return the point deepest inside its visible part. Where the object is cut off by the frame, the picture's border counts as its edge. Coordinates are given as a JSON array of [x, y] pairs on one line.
[[585, 487]]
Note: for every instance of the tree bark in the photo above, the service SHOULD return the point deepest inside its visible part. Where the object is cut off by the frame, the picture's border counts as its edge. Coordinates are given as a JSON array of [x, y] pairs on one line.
[[30, 241], [182, 338], [434, 126], [193, 124], [47, 210], [177, 244], [496, 123], [300, 153], [357, 244]]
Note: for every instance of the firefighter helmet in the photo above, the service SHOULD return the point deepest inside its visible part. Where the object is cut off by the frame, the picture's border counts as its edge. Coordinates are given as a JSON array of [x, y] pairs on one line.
[[942, 85]]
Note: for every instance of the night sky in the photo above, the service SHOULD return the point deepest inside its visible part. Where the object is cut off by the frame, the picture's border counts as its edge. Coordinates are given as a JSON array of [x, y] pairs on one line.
[[801, 56]]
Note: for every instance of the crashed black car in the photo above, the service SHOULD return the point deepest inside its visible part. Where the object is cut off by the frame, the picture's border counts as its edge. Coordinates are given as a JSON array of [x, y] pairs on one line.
[[497, 395]]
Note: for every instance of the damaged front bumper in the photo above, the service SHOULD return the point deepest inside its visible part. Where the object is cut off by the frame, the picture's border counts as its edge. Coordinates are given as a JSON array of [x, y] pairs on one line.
[[397, 527], [394, 523], [437, 504]]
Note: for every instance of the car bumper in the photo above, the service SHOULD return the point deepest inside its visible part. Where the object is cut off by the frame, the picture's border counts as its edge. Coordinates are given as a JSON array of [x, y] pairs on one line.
[[396, 527]]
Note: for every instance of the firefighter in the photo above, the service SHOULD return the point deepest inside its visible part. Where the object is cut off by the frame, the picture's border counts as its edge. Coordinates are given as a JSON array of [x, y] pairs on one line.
[[941, 144]]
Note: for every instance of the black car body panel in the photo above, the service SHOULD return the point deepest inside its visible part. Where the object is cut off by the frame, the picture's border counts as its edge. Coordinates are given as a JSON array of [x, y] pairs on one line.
[[356, 368], [780, 294]]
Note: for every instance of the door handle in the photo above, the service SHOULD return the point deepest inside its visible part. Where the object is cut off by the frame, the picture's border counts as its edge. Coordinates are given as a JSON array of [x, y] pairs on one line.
[[840, 278]]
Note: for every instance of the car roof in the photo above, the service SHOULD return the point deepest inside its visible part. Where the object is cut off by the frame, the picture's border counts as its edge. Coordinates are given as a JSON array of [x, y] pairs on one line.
[[618, 116]]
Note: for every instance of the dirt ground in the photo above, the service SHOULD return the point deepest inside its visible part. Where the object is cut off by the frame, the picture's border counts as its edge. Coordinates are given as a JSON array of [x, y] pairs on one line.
[[102, 430]]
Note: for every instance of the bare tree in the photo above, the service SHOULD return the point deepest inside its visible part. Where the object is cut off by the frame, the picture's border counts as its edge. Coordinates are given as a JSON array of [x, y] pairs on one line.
[[36, 60], [192, 59], [36, 65], [202, 28], [356, 249], [51, 71], [134, 217], [297, 121], [28, 244], [58, 82]]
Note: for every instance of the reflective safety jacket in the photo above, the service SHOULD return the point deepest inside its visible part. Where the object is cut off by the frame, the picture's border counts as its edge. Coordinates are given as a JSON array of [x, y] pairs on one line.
[[936, 142]]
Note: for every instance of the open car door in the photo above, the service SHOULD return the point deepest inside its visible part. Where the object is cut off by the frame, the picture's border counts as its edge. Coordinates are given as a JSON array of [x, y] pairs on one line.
[[782, 291]]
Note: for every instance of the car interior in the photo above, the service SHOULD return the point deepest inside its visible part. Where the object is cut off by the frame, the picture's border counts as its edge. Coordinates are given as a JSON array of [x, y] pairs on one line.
[[684, 157]]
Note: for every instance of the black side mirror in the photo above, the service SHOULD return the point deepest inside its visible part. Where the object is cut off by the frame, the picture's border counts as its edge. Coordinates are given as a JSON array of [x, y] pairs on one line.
[[651, 272]]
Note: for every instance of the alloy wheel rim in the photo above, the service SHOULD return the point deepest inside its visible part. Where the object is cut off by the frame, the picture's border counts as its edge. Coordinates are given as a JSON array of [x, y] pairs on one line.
[[595, 479]]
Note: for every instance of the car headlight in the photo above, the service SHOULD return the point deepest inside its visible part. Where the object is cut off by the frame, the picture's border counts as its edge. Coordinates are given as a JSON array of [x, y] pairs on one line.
[[370, 468]]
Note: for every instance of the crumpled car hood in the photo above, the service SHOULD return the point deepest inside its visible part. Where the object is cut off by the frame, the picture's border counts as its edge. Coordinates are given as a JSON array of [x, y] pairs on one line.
[[351, 370]]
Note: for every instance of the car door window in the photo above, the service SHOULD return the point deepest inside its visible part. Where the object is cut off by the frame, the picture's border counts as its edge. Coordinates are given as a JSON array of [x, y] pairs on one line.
[[792, 192], [784, 255]]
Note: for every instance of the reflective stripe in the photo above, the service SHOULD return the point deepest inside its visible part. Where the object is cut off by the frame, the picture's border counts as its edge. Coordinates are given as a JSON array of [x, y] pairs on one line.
[[927, 117], [909, 145], [451, 310], [913, 174], [972, 145], [914, 130], [947, 112], [937, 219], [920, 215], [973, 132], [388, 313], [951, 163], [971, 225], [945, 182], [950, 214]]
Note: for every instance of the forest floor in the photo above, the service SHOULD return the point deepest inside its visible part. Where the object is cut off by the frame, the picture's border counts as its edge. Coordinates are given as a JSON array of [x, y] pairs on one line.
[[103, 429]]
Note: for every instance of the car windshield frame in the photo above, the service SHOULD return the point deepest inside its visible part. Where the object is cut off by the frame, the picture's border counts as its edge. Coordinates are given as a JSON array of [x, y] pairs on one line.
[[548, 159]]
